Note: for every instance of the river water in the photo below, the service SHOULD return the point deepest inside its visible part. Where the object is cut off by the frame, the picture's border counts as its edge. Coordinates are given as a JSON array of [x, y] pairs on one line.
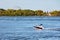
[[21, 28]]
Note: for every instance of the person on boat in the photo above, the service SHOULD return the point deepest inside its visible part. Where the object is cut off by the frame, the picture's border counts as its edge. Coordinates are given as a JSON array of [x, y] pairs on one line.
[[39, 26]]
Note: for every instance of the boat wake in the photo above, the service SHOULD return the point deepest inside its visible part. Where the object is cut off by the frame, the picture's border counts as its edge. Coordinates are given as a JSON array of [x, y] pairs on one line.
[[53, 29], [56, 29]]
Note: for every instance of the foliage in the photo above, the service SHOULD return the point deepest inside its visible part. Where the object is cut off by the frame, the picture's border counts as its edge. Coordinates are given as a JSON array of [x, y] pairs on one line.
[[27, 12]]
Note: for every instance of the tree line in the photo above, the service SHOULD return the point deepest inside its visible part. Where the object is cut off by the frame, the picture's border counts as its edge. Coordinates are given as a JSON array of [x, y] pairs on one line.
[[27, 12]]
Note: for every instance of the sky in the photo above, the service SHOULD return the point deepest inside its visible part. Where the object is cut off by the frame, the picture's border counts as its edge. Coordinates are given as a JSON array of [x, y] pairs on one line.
[[45, 5]]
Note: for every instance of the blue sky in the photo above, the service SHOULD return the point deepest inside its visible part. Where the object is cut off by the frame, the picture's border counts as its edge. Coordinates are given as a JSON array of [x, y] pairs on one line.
[[45, 5]]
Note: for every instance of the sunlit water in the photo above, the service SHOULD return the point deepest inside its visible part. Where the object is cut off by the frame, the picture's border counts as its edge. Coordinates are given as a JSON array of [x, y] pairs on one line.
[[21, 28]]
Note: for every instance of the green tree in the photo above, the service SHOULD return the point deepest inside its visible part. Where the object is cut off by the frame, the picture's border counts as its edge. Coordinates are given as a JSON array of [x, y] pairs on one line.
[[39, 12]]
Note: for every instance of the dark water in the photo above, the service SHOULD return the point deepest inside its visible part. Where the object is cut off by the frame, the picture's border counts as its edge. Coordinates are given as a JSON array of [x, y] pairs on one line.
[[21, 28]]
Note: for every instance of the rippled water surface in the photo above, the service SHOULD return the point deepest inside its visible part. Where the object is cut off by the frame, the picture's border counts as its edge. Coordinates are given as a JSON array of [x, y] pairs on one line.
[[21, 28]]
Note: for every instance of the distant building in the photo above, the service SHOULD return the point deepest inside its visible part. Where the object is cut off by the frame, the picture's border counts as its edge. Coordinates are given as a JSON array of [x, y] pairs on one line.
[[48, 14]]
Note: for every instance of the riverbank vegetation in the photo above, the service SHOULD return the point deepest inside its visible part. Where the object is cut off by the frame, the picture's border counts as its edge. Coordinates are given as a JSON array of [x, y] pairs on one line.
[[27, 12]]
